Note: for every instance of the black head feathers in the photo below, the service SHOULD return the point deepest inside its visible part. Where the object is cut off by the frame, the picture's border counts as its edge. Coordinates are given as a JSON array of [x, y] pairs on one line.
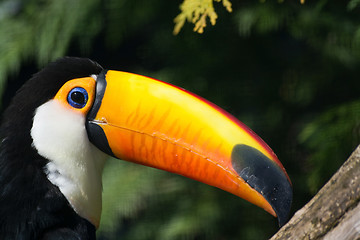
[[42, 87]]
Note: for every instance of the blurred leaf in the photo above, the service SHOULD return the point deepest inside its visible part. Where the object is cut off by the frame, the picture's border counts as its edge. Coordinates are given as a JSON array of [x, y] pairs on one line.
[[333, 32], [263, 18], [352, 4], [327, 136], [43, 30]]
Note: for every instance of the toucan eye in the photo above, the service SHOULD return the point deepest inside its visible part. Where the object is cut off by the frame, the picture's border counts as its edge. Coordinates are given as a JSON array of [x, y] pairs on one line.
[[77, 97]]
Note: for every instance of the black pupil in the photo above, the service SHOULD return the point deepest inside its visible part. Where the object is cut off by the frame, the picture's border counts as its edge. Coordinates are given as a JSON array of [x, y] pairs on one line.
[[78, 97]]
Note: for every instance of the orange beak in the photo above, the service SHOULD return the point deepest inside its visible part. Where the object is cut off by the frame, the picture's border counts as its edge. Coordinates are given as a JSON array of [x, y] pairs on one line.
[[146, 121]]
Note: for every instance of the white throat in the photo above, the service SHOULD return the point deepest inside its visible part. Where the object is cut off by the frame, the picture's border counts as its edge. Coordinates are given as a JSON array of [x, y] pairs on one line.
[[75, 165]]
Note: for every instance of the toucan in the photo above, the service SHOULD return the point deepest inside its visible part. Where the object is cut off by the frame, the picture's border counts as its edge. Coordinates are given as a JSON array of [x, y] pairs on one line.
[[64, 123]]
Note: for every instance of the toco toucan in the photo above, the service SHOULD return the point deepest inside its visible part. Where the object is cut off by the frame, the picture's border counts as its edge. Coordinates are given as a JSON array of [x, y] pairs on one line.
[[64, 123]]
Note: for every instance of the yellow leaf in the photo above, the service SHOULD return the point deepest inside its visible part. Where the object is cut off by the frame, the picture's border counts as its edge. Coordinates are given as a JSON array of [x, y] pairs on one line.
[[197, 12]]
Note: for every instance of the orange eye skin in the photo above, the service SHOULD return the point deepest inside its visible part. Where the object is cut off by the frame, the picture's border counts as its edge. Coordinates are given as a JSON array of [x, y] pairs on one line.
[[87, 83]]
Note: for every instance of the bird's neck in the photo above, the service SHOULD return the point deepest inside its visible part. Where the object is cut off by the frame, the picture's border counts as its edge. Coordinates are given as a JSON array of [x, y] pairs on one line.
[[32, 205], [80, 184], [75, 165]]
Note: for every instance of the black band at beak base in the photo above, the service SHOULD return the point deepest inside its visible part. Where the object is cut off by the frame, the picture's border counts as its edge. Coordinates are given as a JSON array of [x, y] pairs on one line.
[[95, 133], [99, 94]]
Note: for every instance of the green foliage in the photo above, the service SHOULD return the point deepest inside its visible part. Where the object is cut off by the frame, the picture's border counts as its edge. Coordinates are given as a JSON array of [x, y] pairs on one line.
[[288, 70], [334, 33], [353, 4], [42, 30], [326, 136]]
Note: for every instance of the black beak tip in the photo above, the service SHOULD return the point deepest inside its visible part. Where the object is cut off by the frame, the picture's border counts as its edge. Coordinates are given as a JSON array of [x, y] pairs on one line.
[[282, 205], [266, 177]]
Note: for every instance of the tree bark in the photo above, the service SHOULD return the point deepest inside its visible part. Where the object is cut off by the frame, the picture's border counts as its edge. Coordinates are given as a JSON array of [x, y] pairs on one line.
[[334, 212]]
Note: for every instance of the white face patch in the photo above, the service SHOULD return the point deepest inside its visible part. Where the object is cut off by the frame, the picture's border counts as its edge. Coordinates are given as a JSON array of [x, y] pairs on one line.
[[75, 165]]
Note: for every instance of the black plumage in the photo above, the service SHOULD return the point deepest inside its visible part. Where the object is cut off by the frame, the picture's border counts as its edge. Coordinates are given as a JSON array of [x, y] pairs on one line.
[[31, 207]]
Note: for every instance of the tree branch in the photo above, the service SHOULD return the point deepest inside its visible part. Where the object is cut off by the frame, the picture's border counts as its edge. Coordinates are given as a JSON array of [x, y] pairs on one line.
[[334, 212]]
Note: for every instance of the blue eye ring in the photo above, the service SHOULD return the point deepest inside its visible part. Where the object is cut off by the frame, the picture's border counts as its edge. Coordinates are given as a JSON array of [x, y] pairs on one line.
[[78, 97]]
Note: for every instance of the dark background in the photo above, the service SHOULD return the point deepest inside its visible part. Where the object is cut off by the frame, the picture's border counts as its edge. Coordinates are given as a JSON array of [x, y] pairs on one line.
[[289, 71]]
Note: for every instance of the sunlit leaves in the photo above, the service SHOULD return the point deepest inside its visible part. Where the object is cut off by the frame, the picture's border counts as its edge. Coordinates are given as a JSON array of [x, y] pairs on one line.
[[198, 12]]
